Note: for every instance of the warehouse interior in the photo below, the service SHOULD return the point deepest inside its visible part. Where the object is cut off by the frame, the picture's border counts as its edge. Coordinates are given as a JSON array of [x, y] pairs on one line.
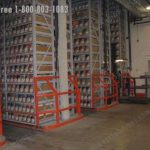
[[74, 74]]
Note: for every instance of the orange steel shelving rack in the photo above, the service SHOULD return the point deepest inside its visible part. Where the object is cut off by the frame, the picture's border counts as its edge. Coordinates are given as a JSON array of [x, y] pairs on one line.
[[55, 93], [105, 91], [57, 110]]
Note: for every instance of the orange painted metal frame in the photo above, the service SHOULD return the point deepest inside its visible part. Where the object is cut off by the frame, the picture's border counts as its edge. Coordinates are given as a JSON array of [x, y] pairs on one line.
[[124, 77], [3, 142], [105, 86], [57, 94]]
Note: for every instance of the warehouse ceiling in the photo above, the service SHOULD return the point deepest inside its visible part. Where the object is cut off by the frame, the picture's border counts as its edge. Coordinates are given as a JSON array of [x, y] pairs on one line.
[[137, 7]]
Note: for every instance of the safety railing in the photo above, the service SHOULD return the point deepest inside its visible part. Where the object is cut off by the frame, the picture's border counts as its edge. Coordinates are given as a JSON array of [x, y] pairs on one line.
[[104, 91], [127, 85], [142, 87], [45, 90]]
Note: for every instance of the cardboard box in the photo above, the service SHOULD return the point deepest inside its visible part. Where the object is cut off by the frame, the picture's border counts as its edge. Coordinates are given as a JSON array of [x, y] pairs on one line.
[[95, 48], [45, 2], [45, 68], [44, 58], [43, 39], [43, 20], [42, 29], [43, 48]]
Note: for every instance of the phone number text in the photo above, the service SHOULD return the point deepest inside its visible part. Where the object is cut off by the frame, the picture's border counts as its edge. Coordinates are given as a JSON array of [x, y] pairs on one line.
[[41, 9]]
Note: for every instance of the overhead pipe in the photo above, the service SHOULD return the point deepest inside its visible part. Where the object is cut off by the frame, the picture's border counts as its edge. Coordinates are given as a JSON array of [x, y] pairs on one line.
[[128, 6]]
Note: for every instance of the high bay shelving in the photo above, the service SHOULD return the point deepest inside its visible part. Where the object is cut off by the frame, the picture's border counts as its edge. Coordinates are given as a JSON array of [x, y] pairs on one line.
[[115, 36], [31, 93], [106, 35], [69, 38], [27, 51], [117, 29], [86, 47], [2, 138]]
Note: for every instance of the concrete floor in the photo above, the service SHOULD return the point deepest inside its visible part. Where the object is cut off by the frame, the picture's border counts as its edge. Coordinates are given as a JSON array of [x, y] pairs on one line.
[[125, 127]]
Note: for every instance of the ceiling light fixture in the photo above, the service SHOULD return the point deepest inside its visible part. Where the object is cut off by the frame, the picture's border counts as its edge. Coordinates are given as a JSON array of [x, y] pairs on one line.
[[148, 7], [120, 60]]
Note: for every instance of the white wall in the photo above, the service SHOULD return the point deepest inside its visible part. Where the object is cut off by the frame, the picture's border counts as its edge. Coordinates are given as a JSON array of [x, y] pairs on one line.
[[140, 44]]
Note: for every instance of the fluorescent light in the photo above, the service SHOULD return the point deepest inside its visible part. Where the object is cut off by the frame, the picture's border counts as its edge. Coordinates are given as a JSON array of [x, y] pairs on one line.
[[119, 60], [148, 7]]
